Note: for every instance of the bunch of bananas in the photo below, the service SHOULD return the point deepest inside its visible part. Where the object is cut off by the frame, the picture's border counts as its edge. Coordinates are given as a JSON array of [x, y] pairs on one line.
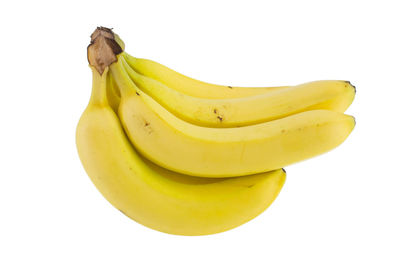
[[192, 158]]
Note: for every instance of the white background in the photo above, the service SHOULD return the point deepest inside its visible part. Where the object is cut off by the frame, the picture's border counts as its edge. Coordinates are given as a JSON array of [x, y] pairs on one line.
[[339, 209]]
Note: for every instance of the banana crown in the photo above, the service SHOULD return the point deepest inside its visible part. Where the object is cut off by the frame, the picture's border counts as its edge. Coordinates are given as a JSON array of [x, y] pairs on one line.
[[103, 48]]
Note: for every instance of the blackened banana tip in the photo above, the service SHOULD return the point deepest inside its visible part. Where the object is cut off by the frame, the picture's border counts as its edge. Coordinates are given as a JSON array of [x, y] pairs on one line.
[[352, 85]]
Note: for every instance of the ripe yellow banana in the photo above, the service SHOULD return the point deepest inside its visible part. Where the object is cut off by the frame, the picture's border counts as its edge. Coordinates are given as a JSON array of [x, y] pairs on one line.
[[199, 89], [155, 197], [247, 110], [224, 152], [190, 86]]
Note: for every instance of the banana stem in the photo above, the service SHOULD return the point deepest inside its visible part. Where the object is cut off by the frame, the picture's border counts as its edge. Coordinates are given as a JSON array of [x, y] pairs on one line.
[[124, 82], [103, 49], [131, 71], [99, 93]]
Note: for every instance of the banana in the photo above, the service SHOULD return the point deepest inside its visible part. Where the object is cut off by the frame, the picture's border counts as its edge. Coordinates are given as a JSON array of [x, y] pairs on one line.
[[190, 86], [157, 198], [223, 152], [248, 110], [199, 89]]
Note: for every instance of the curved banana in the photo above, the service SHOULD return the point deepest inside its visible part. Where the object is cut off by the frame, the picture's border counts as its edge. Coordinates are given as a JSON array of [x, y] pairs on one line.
[[224, 152], [247, 110], [196, 88], [190, 86], [158, 198]]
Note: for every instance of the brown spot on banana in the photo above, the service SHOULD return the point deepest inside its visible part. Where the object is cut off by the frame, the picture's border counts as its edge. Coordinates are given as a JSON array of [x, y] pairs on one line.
[[147, 127]]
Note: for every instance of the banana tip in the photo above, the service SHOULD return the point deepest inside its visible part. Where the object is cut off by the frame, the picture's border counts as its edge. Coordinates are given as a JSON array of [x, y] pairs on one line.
[[354, 121], [352, 85]]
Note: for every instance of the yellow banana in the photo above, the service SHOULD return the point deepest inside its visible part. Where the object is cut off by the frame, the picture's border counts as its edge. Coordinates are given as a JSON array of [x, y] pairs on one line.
[[195, 88], [247, 110], [190, 86], [158, 198], [224, 152]]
